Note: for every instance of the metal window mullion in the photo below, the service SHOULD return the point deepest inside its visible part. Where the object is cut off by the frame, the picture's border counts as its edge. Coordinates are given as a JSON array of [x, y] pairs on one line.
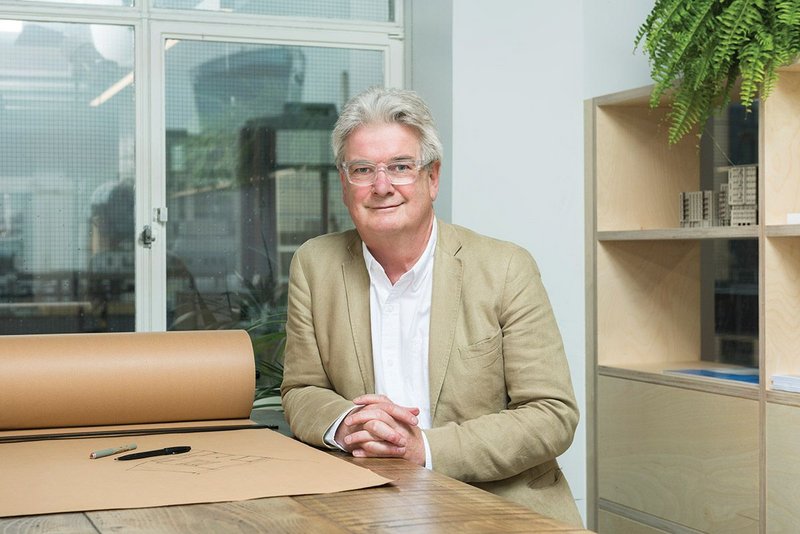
[[394, 66], [92, 14], [269, 22], [151, 262]]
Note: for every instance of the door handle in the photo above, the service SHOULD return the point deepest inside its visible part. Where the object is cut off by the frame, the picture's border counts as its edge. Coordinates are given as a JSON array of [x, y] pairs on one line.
[[147, 236]]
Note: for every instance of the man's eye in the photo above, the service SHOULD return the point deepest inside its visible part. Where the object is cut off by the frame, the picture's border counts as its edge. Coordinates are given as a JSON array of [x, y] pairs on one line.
[[360, 170], [401, 167]]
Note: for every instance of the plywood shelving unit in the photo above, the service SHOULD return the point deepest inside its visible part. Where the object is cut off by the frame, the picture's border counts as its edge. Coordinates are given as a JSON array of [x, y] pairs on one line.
[[675, 452]]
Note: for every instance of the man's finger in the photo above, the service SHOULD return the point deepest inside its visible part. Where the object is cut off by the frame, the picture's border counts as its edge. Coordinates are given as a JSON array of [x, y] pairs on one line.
[[373, 398], [378, 449], [407, 415], [377, 430], [366, 415], [364, 436]]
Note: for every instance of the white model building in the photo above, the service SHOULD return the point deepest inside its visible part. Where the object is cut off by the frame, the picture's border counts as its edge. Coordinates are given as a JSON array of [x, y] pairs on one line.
[[743, 195], [697, 209], [723, 208], [736, 205]]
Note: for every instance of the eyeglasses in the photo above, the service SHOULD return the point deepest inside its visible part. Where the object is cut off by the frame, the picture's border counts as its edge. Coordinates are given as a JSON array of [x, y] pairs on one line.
[[400, 172]]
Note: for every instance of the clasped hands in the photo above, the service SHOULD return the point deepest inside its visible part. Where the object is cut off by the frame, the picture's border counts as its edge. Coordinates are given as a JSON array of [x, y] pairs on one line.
[[381, 428]]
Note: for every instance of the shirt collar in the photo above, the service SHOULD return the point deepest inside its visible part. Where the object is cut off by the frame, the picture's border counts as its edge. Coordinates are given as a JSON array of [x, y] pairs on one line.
[[416, 274]]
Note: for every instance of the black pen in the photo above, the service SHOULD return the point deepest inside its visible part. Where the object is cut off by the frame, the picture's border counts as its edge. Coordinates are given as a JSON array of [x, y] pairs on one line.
[[157, 452]]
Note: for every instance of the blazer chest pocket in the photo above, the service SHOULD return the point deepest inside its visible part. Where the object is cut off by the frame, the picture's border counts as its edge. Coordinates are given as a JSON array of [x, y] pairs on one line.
[[484, 353], [479, 374]]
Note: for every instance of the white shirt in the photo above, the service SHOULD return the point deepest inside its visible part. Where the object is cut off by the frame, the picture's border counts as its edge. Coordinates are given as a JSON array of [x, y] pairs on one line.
[[400, 318]]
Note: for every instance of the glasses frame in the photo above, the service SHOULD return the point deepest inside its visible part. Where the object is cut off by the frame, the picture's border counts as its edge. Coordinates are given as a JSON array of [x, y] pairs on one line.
[[420, 164]]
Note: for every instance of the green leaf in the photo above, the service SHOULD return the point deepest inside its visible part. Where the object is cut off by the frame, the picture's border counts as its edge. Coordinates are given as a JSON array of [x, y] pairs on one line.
[[698, 49]]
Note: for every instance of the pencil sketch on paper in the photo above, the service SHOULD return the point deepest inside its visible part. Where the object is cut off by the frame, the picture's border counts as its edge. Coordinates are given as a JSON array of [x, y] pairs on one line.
[[199, 462]]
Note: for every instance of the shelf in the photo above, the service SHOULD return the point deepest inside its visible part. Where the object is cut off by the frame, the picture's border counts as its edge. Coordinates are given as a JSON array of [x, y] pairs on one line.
[[781, 157], [782, 306], [785, 398], [638, 176], [655, 374], [715, 232], [782, 230]]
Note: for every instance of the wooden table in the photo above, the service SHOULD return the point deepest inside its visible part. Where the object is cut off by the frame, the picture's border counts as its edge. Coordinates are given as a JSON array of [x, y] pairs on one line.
[[417, 501]]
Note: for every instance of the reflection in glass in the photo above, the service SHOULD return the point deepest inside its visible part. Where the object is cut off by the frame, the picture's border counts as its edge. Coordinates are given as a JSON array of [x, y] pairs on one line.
[[729, 266], [66, 179], [250, 173], [368, 10]]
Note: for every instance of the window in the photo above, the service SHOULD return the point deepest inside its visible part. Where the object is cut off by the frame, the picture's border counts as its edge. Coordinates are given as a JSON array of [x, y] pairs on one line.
[[250, 172], [68, 177], [163, 182]]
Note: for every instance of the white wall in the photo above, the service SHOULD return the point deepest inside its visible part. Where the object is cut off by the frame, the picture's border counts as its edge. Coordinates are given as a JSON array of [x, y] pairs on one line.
[[610, 63], [429, 71], [510, 106], [517, 146]]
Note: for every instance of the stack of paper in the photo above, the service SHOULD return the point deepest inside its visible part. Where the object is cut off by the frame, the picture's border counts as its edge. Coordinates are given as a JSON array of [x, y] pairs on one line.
[[786, 383]]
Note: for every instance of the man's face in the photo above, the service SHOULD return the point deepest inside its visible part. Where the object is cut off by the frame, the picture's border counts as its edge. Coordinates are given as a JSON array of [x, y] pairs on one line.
[[383, 209]]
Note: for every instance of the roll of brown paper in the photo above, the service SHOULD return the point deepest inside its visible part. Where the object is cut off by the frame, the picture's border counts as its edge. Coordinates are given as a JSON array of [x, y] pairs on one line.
[[67, 380]]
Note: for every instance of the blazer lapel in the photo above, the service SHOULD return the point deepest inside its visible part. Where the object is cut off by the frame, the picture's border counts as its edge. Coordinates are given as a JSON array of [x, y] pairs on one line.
[[445, 305], [356, 283]]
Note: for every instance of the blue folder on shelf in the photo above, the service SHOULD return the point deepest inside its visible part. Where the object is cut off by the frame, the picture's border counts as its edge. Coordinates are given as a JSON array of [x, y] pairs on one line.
[[746, 375]]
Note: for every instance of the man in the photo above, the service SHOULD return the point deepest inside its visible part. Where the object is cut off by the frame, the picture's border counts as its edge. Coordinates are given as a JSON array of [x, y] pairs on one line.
[[410, 337]]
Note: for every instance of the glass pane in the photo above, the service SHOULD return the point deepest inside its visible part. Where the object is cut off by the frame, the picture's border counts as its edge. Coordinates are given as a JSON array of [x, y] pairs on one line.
[[729, 156], [372, 10], [66, 178], [250, 172]]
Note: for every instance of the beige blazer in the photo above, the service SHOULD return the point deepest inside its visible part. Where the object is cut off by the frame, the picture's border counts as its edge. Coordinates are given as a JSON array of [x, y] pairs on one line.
[[502, 403]]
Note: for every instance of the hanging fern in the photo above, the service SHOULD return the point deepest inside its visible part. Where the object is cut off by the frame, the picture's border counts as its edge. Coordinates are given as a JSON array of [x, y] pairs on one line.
[[700, 48]]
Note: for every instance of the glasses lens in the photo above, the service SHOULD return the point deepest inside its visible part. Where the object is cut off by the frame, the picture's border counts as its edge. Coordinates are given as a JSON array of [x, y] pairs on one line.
[[360, 172], [400, 172]]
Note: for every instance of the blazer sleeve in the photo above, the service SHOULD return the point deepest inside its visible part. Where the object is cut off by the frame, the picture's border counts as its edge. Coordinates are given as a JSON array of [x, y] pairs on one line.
[[534, 415], [309, 400]]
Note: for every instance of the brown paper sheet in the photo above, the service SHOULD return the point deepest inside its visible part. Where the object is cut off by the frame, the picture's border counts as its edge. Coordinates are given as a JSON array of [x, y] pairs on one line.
[[58, 476], [57, 384]]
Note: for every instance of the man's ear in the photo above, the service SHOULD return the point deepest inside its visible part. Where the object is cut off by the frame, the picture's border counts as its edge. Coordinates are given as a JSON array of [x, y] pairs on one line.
[[343, 181], [433, 177]]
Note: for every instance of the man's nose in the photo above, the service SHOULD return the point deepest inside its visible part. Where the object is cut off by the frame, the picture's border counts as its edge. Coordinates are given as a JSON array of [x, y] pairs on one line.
[[382, 185]]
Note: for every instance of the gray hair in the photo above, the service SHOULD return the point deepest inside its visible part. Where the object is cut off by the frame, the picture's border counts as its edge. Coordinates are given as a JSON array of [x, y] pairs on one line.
[[385, 105]]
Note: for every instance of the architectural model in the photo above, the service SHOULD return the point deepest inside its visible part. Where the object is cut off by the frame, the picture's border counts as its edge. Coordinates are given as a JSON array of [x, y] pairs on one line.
[[735, 205], [743, 195], [697, 209]]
